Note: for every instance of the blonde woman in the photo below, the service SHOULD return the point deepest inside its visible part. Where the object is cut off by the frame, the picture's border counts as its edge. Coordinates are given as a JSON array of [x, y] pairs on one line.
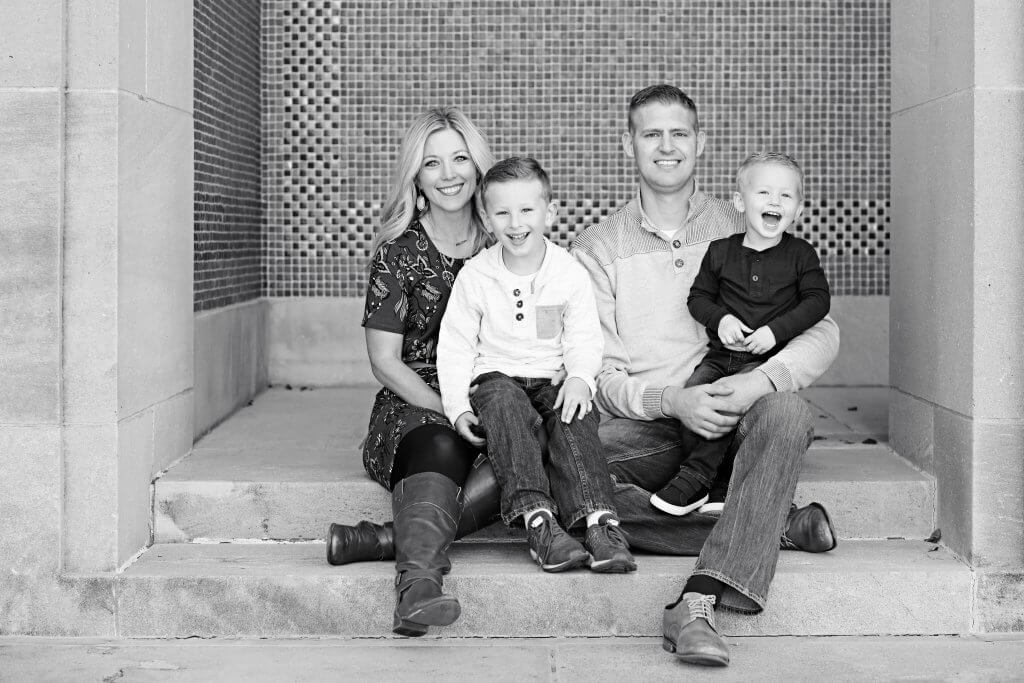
[[430, 225]]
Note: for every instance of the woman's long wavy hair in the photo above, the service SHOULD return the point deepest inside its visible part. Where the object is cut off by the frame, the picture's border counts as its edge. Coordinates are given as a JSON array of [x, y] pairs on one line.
[[400, 205]]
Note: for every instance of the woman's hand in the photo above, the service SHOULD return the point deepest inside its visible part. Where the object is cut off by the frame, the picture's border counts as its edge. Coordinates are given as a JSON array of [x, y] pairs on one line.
[[572, 397], [464, 426]]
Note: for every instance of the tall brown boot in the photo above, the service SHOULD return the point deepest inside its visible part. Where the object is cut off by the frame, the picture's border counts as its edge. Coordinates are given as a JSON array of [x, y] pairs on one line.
[[479, 505], [426, 513]]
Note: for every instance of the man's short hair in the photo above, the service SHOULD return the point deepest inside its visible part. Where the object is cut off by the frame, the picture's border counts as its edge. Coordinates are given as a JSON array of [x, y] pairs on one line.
[[662, 94], [779, 158], [516, 168]]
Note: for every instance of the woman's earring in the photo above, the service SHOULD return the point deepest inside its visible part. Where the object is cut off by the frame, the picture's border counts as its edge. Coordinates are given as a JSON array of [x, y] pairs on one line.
[[421, 202]]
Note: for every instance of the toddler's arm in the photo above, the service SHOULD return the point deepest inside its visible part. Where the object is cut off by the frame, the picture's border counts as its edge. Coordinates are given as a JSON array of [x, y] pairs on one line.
[[813, 292], [703, 299]]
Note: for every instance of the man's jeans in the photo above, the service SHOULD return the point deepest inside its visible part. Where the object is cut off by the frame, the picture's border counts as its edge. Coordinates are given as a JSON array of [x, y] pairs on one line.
[[741, 547], [573, 482], [704, 457]]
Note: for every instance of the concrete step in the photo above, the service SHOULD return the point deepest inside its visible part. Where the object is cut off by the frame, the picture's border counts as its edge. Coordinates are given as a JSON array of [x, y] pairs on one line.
[[290, 464], [984, 657], [288, 590]]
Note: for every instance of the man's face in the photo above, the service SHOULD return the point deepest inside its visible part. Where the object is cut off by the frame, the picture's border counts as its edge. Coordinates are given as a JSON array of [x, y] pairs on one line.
[[665, 145]]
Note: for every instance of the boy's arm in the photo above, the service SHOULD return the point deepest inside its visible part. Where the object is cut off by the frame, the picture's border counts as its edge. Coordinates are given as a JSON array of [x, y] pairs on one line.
[[703, 299], [582, 341], [617, 393], [813, 292], [457, 349]]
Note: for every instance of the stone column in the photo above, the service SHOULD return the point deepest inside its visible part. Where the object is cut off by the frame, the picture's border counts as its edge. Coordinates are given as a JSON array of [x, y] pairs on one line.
[[957, 293], [95, 294]]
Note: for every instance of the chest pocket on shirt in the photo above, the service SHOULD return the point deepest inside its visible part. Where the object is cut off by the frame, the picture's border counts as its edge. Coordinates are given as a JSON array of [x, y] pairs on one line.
[[549, 321]]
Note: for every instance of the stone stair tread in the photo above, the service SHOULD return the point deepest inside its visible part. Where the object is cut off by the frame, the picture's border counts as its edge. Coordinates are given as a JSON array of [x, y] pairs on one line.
[[266, 589], [307, 559], [289, 464], [825, 461]]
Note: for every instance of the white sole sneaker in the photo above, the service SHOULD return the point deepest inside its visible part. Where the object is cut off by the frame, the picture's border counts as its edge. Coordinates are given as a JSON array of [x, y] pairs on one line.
[[712, 508], [677, 510]]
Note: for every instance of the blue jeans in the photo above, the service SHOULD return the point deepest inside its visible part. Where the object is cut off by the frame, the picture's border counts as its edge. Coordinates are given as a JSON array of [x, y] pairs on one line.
[[705, 456], [740, 548], [572, 481]]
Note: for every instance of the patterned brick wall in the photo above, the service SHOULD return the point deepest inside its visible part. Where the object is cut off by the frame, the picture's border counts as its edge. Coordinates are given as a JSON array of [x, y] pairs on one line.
[[552, 78], [228, 213]]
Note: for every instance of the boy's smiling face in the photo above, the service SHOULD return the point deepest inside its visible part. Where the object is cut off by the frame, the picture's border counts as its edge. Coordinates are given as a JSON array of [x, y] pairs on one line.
[[518, 214], [770, 197]]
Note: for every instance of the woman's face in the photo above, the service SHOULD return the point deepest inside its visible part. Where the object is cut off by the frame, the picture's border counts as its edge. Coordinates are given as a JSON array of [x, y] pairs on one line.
[[447, 176]]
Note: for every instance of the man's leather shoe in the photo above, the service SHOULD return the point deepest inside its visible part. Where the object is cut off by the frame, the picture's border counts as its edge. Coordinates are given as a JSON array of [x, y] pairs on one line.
[[809, 529], [690, 632]]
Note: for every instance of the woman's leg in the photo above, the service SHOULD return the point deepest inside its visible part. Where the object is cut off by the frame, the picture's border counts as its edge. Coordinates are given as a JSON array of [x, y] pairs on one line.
[[479, 506], [431, 464]]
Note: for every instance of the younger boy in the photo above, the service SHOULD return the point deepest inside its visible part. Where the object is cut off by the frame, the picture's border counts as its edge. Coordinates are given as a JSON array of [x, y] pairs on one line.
[[755, 291], [519, 312]]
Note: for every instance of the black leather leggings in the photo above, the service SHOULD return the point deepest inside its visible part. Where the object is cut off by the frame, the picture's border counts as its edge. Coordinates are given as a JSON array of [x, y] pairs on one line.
[[433, 448]]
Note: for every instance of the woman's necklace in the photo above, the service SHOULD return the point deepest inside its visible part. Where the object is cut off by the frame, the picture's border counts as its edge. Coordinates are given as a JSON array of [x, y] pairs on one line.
[[432, 231]]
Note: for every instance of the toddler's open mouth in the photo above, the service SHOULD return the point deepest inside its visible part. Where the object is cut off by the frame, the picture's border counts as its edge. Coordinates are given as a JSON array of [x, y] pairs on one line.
[[771, 219]]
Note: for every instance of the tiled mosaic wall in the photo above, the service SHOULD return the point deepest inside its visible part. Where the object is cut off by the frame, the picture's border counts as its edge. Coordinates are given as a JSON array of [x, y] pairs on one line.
[[228, 213], [552, 78]]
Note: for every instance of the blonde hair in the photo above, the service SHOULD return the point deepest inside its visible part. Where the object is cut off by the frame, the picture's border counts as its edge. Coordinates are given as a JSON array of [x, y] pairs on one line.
[[400, 205], [777, 158]]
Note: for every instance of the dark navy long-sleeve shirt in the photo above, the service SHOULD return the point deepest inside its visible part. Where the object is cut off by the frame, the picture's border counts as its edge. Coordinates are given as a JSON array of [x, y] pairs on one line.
[[782, 287]]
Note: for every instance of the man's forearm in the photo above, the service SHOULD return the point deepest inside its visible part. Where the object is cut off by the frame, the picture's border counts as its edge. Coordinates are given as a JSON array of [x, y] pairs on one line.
[[805, 358]]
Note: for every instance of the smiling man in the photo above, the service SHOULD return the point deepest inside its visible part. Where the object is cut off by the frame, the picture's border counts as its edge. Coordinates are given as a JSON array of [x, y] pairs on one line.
[[643, 260]]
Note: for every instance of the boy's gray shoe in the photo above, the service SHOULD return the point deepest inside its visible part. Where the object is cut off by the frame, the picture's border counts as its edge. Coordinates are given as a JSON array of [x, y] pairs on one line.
[[608, 548], [552, 548]]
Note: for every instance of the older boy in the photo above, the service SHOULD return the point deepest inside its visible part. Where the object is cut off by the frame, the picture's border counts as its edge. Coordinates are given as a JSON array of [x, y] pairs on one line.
[[643, 260], [519, 312]]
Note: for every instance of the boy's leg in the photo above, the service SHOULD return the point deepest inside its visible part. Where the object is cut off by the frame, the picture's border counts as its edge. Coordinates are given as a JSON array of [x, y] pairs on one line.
[[513, 447], [578, 471], [688, 489]]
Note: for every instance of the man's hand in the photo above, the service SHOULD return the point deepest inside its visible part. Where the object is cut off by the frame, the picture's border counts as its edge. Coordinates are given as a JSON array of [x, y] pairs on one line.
[[702, 409], [761, 341], [744, 390], [731, 330], [462, 426], [574, 395]]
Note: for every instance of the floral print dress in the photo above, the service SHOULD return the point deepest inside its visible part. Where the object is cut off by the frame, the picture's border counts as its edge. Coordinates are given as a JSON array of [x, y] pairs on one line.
[[408, 289]]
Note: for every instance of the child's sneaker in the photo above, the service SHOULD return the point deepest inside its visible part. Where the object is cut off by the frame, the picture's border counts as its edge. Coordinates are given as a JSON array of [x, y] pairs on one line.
[[716, 500], [608, 548], [680, 496], [552, 548]]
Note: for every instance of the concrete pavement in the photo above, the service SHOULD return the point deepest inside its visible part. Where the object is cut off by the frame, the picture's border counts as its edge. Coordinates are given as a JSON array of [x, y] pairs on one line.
[[936, 658]]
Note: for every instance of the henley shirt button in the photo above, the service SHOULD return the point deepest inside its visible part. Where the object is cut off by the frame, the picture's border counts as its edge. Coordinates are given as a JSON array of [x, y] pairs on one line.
[[515, 292], [519, 316], [519, 304], [679, 263], [754, 278], [676, 243]]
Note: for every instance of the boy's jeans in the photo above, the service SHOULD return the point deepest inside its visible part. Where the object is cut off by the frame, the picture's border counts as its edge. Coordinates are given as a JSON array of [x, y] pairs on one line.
[[705, 456], [575, 480], [741, 547]]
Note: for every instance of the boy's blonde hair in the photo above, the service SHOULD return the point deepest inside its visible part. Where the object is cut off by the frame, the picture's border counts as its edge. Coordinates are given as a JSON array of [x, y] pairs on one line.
[[778, 158]]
